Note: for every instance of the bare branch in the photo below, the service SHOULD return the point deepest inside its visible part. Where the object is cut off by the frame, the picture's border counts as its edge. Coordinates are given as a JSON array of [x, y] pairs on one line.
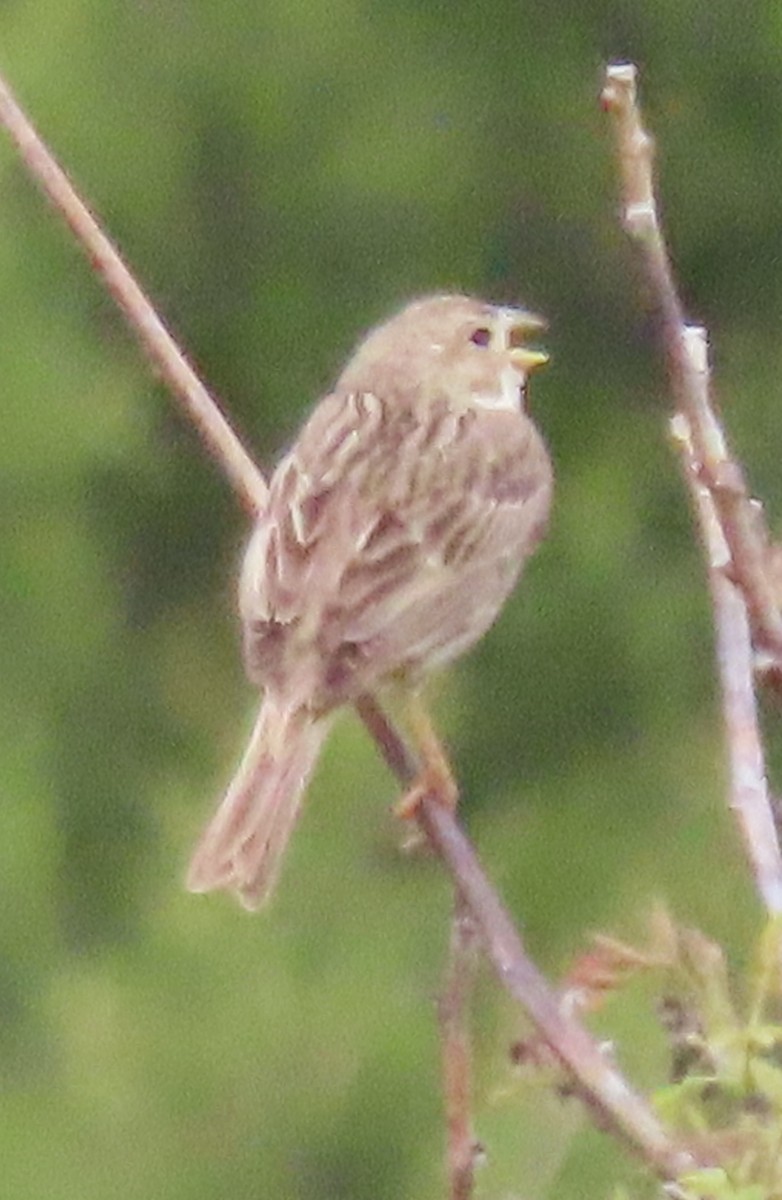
[[722, 474], [599, 1083], [176, 372], [734, 537], [602, 1087], [454, 1011], [748, 795]]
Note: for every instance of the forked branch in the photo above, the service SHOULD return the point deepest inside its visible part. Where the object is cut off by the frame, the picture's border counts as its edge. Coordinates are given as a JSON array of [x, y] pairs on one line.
[[733, 534]]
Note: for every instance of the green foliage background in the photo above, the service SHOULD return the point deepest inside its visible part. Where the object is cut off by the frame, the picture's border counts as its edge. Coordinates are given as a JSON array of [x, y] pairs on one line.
[[281, 174]]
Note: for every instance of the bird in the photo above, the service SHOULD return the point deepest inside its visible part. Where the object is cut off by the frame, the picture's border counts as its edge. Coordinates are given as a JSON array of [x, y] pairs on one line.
[[396, 527]]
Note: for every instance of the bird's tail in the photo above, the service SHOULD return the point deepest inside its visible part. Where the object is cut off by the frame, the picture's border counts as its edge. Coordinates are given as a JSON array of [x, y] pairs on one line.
[[243, 846]]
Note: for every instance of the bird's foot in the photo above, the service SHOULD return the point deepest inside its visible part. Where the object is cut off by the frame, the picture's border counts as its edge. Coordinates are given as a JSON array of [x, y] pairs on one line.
[[434, 782]]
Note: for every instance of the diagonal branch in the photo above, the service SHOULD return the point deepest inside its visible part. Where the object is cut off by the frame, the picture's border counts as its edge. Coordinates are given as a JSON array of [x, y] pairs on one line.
[[732, 531], [200, 407], [600, 1084], [602, 1087]]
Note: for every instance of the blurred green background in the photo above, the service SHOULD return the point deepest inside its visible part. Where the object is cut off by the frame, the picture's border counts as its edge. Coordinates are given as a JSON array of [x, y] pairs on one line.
[[282, 174]]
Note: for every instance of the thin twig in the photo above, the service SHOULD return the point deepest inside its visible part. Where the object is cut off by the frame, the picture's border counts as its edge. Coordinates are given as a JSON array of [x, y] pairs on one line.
[[454, 1006], [740, 520], [600, 1084], [200, 407], [748, 790], [733, 533], [397, 755]]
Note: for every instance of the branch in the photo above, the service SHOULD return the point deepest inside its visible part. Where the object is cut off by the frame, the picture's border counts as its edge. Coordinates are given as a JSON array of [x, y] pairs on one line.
[[721, 473], [453, 1011], [748, 789], [156, 341], [733, 534], [602, 1087], [599, 1083], [604, 1090]]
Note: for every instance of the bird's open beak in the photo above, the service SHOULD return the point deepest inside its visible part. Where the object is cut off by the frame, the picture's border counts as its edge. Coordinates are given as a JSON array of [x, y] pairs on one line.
[[524, 323]]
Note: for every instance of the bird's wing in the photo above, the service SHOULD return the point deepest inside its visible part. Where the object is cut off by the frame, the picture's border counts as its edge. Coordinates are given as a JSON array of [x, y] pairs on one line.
[[308, 531], [390, 537], [468, 526]]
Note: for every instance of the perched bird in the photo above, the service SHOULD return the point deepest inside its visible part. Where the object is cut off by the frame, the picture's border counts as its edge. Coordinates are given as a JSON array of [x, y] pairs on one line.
[[395, 529]]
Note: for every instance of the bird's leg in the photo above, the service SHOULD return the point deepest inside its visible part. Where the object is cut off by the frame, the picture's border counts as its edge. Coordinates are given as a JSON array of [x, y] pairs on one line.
[[435, 778]]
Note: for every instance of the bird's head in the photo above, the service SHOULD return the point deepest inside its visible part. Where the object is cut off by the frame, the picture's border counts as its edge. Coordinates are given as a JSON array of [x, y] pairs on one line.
[[472, 353]]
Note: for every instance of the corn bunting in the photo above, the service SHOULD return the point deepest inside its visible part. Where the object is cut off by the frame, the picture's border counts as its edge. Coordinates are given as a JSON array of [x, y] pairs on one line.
[[395, 529]]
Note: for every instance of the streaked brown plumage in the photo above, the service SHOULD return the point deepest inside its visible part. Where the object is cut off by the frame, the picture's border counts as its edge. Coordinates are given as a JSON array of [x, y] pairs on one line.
[[396, 528]]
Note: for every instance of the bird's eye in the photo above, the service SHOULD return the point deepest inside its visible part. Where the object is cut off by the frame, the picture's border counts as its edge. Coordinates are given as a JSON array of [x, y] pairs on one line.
[[481, 337]]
